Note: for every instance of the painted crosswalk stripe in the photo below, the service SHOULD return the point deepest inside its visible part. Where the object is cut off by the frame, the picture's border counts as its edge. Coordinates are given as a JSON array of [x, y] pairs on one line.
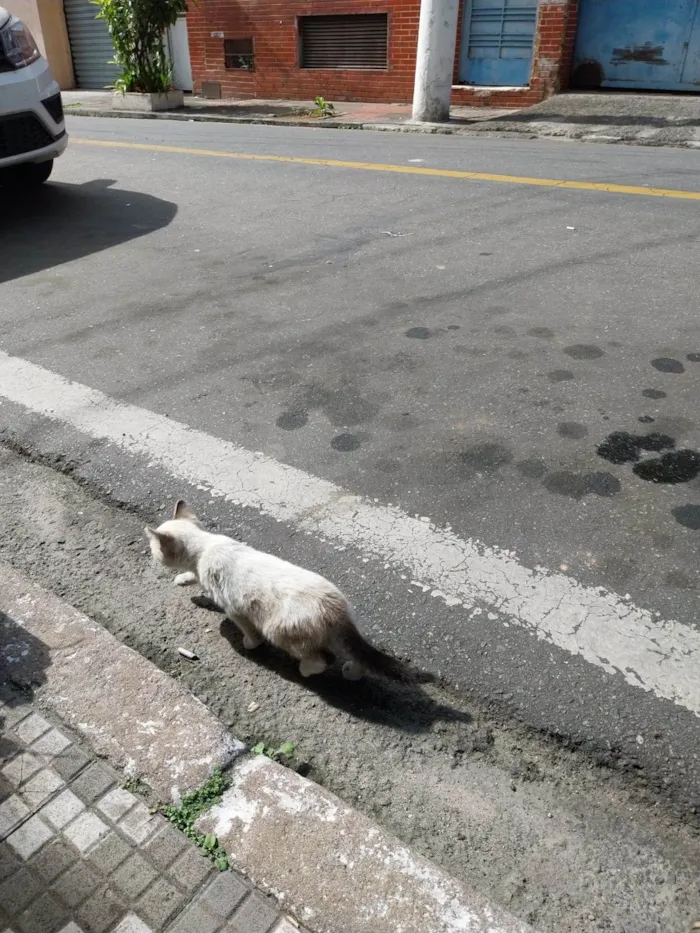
[[650, 653]]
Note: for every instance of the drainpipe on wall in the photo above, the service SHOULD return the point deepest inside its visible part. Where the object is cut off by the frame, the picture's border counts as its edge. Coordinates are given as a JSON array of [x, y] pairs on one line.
[[437, 36]]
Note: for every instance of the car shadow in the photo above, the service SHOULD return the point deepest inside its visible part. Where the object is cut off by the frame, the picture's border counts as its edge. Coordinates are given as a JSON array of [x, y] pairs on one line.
[[60, 222]]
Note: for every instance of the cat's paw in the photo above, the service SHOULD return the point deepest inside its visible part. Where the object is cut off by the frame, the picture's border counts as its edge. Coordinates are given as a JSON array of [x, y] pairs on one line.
[[251, 641], [310, 666], [352, 670], [185, 579]]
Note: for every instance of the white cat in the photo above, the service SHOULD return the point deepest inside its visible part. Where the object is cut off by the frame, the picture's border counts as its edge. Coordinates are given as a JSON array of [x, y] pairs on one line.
[[270, 599]]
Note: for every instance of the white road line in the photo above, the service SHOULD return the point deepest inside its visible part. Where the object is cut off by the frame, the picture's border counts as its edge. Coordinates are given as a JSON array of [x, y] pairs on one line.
[[609, 632]]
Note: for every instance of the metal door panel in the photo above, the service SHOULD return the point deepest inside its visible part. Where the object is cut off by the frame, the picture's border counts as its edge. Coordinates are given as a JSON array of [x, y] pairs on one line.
[[636, 44], [497, 42]]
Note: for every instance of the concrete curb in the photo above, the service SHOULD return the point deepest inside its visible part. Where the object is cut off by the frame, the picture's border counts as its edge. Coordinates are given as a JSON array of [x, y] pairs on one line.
[[481, 128], [288, 835], [126, 709], [184, 117]]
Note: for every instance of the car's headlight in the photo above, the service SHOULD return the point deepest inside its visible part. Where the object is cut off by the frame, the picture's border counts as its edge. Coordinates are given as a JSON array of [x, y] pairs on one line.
[[18, 45]]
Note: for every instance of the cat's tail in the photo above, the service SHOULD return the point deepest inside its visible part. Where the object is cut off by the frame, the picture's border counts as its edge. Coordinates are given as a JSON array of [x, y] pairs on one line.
[[374, 660]]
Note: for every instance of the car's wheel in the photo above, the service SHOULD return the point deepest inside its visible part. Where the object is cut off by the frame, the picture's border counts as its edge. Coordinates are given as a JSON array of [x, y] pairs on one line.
[[32, 174]]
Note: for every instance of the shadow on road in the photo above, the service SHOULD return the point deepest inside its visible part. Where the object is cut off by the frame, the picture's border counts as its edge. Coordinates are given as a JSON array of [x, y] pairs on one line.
[[606, 119], [23, 661], [405, 707], [61, 222]]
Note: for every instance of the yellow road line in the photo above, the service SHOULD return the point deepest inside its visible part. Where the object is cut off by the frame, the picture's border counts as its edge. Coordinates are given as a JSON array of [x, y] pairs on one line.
[[408, 170]]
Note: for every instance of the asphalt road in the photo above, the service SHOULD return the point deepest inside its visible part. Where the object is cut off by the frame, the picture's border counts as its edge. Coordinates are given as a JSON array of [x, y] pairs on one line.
[[460, 348]]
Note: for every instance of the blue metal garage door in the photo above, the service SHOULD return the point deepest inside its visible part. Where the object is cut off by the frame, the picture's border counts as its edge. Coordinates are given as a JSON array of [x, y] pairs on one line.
[[653, 44], [497, 41]]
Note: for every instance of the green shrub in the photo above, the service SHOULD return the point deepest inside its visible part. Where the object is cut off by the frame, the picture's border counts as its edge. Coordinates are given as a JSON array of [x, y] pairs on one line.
[[138, 29]]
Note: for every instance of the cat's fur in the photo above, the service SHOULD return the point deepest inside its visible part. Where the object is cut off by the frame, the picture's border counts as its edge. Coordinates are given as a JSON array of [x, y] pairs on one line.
[[270, 600]]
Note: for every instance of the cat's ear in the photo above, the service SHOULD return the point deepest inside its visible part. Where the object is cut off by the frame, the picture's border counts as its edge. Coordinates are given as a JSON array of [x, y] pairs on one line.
[[154, 534], [168, 544], [182, 510]]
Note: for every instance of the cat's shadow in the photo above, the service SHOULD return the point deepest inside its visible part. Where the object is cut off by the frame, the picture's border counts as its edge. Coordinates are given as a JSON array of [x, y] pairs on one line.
[[402, 706]]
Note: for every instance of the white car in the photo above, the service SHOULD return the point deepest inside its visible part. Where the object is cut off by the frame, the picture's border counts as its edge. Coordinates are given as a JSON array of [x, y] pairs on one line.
[[32, 128]]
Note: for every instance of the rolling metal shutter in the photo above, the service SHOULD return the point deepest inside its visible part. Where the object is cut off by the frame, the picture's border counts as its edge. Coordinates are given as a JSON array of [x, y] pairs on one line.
[[354, 42], [90, 45]]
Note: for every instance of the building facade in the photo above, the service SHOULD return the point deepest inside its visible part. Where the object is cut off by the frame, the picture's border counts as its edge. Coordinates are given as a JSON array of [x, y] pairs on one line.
[[509, 52]]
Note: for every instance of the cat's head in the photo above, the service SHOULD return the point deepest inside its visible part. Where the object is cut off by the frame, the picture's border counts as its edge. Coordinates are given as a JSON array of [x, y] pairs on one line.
[[169, 541]]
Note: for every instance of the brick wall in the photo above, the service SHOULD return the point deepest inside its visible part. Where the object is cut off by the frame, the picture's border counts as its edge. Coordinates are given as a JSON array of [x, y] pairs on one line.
[[273, 25]]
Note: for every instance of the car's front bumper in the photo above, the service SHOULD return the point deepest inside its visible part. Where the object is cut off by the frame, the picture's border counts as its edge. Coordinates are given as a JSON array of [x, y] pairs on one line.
[[24, 138], [32, 126]]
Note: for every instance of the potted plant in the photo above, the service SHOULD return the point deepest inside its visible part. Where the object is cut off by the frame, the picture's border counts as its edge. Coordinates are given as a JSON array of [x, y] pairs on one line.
[[138, 29]]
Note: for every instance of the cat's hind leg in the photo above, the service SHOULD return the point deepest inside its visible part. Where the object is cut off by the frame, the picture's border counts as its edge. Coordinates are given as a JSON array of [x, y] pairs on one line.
[[251, 636]]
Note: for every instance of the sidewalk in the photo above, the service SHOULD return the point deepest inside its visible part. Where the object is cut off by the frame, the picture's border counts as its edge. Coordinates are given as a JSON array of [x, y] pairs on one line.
[[348, 114], [612, 117], [80, 854]]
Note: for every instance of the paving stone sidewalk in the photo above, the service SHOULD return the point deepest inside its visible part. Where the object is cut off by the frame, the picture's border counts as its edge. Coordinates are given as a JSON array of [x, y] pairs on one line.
[[80, 854]]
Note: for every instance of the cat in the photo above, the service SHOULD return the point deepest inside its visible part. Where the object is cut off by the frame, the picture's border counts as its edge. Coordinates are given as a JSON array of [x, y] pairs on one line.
[[271, 600]]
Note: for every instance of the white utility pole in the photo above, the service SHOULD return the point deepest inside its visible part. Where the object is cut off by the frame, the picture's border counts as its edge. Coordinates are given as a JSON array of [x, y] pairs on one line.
[[437, 35]]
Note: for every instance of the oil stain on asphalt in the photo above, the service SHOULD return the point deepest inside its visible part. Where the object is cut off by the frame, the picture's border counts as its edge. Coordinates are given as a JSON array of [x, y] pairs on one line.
[[674, 466]]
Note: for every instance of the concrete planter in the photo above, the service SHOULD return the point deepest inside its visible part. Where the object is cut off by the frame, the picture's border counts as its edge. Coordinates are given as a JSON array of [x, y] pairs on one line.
[[148, 102]]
